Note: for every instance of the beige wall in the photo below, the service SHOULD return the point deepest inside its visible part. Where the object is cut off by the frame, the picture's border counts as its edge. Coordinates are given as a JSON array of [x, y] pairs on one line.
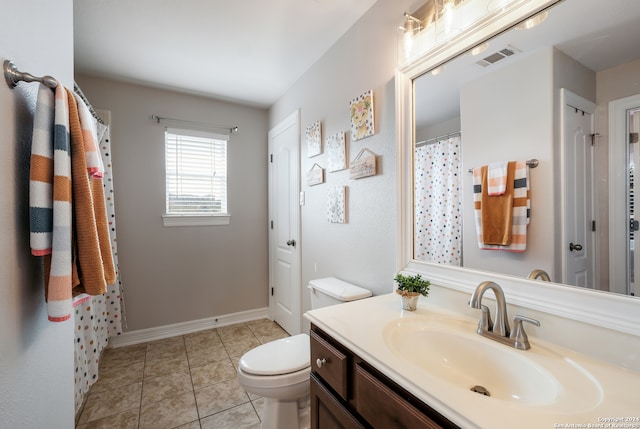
[[36, 356], [498, 126], [179, 274], [363, 250]]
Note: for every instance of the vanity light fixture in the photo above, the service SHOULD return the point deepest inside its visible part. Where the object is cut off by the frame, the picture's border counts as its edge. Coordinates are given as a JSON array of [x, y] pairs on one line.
[[447, 19], [532, 22], [412, 26]]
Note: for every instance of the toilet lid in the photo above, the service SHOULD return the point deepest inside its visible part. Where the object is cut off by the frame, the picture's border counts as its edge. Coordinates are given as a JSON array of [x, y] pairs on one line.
[[278, 357]]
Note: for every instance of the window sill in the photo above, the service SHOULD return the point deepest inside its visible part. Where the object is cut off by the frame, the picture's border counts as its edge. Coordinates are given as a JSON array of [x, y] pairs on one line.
[[196, 220]]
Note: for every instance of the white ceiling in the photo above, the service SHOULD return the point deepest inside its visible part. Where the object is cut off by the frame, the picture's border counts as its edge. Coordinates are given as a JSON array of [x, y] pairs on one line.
[[249, 51]]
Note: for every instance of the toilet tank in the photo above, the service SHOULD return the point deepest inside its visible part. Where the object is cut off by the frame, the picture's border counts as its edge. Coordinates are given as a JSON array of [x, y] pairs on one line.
[[331, 291]]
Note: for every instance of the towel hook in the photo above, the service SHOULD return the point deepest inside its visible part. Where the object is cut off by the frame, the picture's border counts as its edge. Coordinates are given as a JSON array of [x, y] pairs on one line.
[[12, 75]]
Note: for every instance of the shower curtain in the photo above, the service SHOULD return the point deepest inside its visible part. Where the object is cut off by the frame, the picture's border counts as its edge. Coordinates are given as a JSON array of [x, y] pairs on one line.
[[438, 202], [98, 317]]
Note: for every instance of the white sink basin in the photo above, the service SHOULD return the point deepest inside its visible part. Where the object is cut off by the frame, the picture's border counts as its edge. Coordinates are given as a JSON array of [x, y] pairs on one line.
[[452, 351]]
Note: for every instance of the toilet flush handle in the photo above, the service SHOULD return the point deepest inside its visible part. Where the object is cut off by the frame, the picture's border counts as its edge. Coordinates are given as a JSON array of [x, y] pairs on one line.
[[321, 362]]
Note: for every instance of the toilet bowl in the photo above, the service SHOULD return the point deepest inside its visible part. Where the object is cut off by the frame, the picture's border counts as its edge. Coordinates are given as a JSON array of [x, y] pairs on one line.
[[279, 370]]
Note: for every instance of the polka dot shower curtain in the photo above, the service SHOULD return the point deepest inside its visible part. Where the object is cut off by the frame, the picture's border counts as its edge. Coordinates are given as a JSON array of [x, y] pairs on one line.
[[438, 203], [98, 317]]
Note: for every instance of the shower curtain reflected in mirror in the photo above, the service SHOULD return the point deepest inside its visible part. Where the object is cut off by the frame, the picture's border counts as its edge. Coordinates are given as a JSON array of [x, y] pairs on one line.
[[438, 201]]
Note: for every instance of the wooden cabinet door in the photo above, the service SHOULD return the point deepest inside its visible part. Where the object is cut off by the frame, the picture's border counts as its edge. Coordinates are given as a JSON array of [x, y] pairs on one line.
[[385, 409], [327, 412]]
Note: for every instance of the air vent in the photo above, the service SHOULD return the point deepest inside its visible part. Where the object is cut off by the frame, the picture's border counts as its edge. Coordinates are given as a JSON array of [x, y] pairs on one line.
[[497, 56]]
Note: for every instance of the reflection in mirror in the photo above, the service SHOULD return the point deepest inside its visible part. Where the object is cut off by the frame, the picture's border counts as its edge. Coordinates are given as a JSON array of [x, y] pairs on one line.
[[543, 93]]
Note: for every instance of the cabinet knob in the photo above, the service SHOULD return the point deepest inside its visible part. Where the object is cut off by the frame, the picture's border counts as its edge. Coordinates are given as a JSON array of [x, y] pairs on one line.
[[321, 362]]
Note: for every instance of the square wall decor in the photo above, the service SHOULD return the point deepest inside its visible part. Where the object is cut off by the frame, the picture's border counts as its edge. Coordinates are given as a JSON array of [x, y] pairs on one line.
[[314, 139], [361, 109], [336, 198], [336, 150]]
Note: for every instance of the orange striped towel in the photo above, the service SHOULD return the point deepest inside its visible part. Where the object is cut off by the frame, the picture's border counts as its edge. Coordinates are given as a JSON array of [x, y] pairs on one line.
[[521, 209], [93, 257], [497, 178], [58, 264]]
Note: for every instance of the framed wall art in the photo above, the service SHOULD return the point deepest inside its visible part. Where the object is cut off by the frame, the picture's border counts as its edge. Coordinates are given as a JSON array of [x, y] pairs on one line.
[[363, 165], [336, 208], [361, 110], [315, 175], [314, 139], [336, 151]]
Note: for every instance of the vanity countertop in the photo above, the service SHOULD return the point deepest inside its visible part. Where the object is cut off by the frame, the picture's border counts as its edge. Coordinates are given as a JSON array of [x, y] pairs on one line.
[[611, 399]]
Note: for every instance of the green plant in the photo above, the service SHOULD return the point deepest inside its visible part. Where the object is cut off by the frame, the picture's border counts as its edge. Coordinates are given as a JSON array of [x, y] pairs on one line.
[[412, 283]]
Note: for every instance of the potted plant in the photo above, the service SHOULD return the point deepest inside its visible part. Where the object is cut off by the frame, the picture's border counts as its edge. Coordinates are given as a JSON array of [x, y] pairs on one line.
[[410, 287]]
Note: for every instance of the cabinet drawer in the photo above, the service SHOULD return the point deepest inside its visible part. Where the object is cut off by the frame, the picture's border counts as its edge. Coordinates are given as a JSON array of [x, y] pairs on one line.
[[384, 408], [329, 363]]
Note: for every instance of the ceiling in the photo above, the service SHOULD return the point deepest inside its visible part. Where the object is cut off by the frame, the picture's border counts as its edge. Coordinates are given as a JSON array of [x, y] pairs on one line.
[[247, 51]]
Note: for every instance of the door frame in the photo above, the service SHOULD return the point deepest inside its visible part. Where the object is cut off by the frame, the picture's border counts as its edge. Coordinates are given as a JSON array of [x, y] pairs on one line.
[[293, 120], [618, 189]]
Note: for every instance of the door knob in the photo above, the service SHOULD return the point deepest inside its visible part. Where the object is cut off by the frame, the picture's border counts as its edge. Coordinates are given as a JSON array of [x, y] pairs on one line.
[[291, 242], [576, 247]]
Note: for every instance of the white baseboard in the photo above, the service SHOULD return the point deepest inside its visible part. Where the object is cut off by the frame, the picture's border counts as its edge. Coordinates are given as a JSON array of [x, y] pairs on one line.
[[151, 334]]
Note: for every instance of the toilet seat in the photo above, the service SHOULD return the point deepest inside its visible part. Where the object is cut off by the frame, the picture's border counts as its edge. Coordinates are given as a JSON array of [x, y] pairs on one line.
[[280, 357]]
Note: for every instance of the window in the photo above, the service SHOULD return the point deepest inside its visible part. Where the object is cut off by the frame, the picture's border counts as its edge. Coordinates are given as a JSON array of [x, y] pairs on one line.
[[196, 178]]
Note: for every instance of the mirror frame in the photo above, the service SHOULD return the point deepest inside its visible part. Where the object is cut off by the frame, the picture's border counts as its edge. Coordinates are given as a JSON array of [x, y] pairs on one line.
[[617, 312]]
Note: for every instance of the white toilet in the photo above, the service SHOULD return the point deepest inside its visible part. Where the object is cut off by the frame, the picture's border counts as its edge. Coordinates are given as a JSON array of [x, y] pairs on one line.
[[279, 370]]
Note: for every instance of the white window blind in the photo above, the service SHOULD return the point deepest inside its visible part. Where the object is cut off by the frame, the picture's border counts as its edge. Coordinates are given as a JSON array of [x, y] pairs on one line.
[[196, 173]]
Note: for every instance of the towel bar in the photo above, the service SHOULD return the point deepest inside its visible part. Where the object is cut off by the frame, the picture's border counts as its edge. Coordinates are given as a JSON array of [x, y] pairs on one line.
[[12, 75], [531, 163]]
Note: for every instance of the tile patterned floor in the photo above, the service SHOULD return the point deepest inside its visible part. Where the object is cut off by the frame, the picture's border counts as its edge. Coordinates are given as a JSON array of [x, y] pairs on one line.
[[186, 382]]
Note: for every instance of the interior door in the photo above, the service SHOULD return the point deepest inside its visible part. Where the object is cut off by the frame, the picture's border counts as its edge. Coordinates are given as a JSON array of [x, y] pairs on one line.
[[284, 224], [579, 223]]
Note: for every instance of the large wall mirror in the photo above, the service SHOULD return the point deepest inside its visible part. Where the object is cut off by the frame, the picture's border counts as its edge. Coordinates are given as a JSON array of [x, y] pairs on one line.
[[549, 92]]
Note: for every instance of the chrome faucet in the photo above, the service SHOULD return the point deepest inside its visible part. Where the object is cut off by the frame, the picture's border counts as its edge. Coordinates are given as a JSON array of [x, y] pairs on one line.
[[539, 274], [501, 325], [499, 330]]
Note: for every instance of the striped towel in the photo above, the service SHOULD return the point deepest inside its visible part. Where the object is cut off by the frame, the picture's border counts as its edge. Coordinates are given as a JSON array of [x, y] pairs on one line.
[[93, 257], [58, 276], [41, 175], [497, 178], [521, 209], [95, 167]]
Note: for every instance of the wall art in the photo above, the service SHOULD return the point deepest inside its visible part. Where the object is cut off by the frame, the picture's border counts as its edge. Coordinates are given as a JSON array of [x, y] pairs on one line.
[[361, 109], [315, 175], [336, 198], [314, 139], [363, 165], [336, 151]]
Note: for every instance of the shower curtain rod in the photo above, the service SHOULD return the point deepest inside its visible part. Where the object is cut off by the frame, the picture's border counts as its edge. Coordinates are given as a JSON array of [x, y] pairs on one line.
[[531, 163], [437, 139], [158, 119]]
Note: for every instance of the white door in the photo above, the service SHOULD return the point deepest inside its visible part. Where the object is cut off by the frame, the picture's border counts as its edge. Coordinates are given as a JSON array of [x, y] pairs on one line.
[[579, 214], [284, 224]]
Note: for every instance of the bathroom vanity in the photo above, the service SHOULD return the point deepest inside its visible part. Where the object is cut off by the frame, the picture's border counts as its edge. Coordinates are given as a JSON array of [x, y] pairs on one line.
[[376, 365], [346, 390]]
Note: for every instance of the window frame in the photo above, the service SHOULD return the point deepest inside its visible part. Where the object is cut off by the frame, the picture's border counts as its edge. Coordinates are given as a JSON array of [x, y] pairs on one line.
[[195, 219]]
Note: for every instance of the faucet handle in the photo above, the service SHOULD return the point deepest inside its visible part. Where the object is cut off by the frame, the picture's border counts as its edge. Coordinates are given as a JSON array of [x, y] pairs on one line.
[[521, 340], [485, 324]]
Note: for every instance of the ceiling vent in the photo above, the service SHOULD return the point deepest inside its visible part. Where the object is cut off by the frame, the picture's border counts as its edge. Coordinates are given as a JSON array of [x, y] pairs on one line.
[[497, 56]]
